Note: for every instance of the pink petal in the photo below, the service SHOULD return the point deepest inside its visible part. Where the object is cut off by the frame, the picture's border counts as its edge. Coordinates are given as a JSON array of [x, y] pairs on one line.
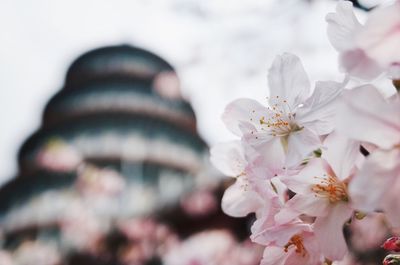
[[302, 204], [341, 153], [342, 26], [229, 158], [303, 181], [288, 81], [272, 160], [370, 186], [380, 37], [357, 63], [390, 203], [390, 199], [378, 121], [300, 145], [239, 201], [274, 256], [318, 111], [329, 231], [259, 140], [242, 115], [265, 231]]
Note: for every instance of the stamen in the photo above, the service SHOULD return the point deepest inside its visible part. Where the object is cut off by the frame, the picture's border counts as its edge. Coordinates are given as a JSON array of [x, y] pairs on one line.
[[297, 242], [330, 187]]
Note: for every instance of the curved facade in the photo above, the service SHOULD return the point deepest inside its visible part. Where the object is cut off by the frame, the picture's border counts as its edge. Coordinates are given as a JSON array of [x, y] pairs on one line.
[[117, 152]]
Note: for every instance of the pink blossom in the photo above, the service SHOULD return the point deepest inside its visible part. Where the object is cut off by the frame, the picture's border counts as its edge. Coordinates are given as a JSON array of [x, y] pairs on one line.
[[199, 203], [5, 258], [294, 118], [300, 249], [321, 191], [370, 49], [56, 155], [376, 185], [93, 181], [207, 248], [249, 169]]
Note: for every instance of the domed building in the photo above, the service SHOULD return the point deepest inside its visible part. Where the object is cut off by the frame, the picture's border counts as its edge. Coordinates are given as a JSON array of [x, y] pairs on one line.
[[117, 173]]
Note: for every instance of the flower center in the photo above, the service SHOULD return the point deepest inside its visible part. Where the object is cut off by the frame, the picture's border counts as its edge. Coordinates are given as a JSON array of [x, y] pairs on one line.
[[331, 188], [297, 242], [282, 120]]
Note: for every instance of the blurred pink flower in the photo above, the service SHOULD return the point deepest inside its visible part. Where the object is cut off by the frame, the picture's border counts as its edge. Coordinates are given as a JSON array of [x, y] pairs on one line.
[[147, 239], [294, 118], [376, 185], [206, 248], [93, 181], [81, 230], [5, 258], [199, 203], [56, 155], [36, 252], [368, 233], [367, 50]]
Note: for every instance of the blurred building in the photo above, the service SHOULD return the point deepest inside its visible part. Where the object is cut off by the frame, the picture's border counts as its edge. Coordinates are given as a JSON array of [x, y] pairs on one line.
[[117, 174]]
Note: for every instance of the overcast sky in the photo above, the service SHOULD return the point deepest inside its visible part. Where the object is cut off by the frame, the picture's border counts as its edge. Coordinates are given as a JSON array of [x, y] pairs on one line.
[[222, 50]]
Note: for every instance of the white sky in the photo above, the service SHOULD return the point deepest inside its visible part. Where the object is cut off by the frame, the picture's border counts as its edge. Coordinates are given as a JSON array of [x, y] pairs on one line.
[[221, 48]]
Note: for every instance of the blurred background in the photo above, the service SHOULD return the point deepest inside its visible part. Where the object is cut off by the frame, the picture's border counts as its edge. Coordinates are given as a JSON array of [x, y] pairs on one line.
[[108, 111]]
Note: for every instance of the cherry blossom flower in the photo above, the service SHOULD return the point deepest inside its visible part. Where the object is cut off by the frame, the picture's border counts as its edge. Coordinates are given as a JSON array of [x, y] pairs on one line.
[[321, 191], [376, 185], [294, 118], [287, 244], [251, 171], [366, 50], [300, 249]]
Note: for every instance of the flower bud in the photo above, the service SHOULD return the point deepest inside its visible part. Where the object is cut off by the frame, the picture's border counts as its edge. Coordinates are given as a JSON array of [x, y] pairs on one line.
[[392, 244], [392, 260]]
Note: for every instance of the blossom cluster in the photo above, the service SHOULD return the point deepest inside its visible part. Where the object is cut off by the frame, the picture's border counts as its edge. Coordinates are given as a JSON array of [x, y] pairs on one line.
[[309, 161]]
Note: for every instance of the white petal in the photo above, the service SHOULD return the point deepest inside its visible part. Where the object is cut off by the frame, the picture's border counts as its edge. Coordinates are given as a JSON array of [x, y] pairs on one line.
[[243, 115], [390, 203], [271, 157], [288, 81], [300, 145], [329, 231], [318, 111], [380, 37], [239, 201], [302, 204], [341, 153], [377, 120], [229, 158], [370, 186], [343, 26], [303, 182], [274, 256]]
